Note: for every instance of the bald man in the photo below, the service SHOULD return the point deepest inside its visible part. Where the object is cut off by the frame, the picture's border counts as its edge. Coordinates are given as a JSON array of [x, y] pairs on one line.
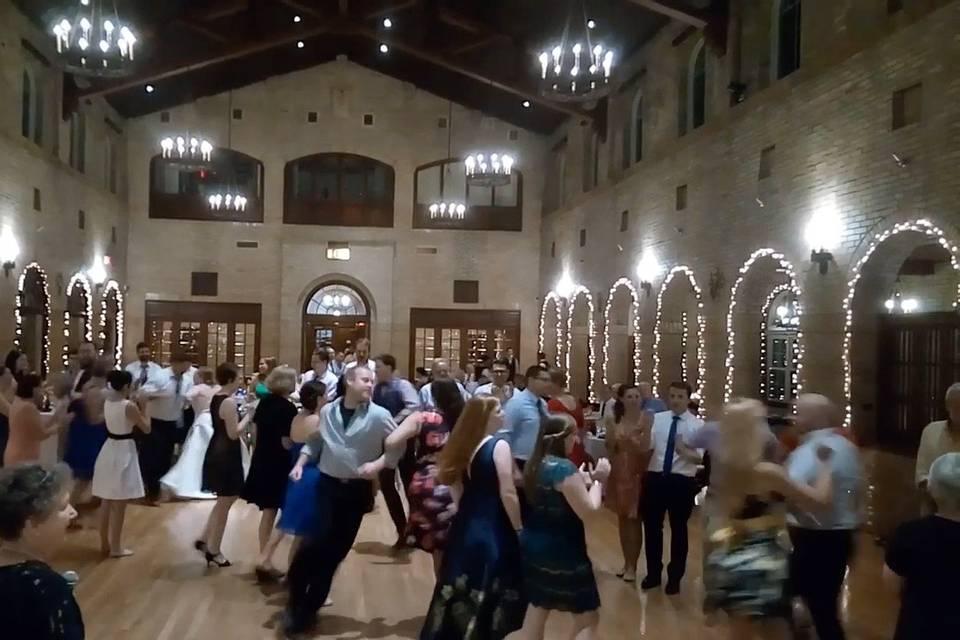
[[823, 542], [439, 371]]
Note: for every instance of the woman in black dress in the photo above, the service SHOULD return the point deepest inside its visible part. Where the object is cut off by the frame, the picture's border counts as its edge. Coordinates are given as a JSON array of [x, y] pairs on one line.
[[38, 603], [270, 465], [222, 464]]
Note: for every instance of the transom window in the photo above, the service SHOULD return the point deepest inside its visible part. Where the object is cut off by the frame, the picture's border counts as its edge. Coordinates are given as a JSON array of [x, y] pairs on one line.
[[336, 300], [339, 189]]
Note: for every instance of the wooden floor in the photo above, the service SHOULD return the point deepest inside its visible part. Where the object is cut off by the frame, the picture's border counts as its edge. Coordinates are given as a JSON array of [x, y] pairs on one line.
[[164, 592]]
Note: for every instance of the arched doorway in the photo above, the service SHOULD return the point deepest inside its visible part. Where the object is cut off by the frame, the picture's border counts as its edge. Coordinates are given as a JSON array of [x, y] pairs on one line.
[[33, 318], [679, 333], [621, 334], [111, 322], [336, 314], [765, 295], [551, 327], [579, 351], [77, 317]]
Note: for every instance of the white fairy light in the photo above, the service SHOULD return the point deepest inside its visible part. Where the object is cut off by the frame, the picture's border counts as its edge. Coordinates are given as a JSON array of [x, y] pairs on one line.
[[785, 267], [701, 332], [78, 279], [45, 317], [920, 226], [577, 291], [557, 301], [684, 329], [635, 302], [112, 287]]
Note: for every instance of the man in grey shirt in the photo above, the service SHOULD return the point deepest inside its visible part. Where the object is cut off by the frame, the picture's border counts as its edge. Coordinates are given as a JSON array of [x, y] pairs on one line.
[[349, 448]]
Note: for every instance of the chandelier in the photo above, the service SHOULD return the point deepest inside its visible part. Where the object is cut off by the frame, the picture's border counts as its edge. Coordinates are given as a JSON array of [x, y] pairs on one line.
[[188, 151], [227, 202], [93, 41], [576, 69], [449, 210], [488, 171]]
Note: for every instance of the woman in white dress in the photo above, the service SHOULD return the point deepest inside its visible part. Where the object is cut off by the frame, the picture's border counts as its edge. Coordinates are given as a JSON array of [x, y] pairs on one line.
[[184, 479], [116, 474]]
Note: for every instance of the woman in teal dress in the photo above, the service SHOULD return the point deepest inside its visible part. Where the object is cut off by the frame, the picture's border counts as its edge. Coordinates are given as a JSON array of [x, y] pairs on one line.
[[558, 575], [479, 592]]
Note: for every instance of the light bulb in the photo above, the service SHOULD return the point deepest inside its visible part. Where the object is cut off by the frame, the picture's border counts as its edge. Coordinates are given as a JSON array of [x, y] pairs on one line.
[[297, 18], [128, 36], [577, 48], [104, 46], [384, 48], [108, 27], [83, 44], [387, 23], [300, 44], [591, 24], [85, 24], [556, 54]]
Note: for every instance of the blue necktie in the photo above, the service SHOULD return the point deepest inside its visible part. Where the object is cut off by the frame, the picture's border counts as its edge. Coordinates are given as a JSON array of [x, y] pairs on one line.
[[671, 444]]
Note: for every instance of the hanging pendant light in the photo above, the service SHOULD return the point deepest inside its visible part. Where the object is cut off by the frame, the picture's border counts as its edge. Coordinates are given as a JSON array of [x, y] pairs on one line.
[[227, 196], [488, 170], [93, 41], [577, 67], [442, 209]]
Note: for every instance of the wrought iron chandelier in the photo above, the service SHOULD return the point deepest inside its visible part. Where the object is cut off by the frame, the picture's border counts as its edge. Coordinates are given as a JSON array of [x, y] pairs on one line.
[[576, 69], [449, 210], [491, 170], [227, 196], [186, 150], [94, 41]]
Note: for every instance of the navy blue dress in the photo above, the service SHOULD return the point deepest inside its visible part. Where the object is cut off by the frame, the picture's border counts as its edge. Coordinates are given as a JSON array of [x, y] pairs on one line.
[[4, 435], [557, 570], [84, 441], [479, 594], [299, 515]]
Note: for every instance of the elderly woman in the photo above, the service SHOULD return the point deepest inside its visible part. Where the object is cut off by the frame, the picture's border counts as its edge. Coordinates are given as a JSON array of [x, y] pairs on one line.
[[923, 560], [34, 513]]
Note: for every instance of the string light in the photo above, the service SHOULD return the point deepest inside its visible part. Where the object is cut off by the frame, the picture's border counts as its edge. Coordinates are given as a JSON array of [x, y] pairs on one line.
[[591, 355], [764, 315], [684, 328], [635, 301], [784, 266], [701, 332], [558, 305], [78, 279], [112, 287], [45, 319], [920, 226]]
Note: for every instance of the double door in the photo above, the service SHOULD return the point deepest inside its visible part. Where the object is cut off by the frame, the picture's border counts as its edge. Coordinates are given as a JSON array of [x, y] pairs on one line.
[[463, 338]]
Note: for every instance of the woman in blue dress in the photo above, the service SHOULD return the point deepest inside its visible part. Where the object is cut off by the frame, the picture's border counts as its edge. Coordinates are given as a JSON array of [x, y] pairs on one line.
[[558, 575], [299, 514], [479, 593], [87, 432]]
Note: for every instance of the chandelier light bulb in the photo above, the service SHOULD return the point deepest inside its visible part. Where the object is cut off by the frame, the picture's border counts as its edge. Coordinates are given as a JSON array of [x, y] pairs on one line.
[[108, 27], [597, 50], [104, 46], [544, 63], [85, 25], [82, 43]]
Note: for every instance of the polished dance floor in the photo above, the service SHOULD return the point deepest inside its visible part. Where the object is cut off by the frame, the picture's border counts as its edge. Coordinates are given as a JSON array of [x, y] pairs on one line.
[[165, 592]]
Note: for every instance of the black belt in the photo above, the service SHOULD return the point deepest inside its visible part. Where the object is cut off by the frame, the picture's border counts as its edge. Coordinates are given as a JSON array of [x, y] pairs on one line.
[[119, 436]]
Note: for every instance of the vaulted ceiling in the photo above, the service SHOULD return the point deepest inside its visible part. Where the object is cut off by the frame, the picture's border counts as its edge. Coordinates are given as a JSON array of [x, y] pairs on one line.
[[480, 53]]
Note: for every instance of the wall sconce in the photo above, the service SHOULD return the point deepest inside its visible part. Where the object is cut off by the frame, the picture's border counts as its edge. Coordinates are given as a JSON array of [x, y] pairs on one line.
[[648, 269], [565, 286], [9, 251], [98, 273], [822, 233]]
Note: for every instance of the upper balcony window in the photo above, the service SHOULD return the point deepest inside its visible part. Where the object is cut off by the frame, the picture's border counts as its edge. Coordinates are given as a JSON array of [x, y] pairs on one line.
[[488, 208], [183, 193], [338, 189]]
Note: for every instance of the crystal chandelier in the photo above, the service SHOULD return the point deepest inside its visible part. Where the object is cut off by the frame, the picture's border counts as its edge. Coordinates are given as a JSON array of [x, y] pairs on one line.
[[93, 41], [576, 69], [449, 210], [187, 150], [488, 171], [227, 202]]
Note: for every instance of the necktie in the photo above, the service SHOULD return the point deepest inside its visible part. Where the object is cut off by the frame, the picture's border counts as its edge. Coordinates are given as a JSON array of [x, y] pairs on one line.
[[177, 403], [671, 445], [143, 375]]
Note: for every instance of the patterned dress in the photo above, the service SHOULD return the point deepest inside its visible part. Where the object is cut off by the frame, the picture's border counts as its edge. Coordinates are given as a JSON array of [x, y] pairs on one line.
[[746, 574], [557, 571], [431, 505], [479, 594]]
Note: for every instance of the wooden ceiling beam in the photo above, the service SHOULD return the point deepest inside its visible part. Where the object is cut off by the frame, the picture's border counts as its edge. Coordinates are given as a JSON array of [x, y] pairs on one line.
[[439, 60], [466, 23], [674, 10], [305, 9], [222, 10], [205, 31], [390, 9], [241, 50], [476, 43]]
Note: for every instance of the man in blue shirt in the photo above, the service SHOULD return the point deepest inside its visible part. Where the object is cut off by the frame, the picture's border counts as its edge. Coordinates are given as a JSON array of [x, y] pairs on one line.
[[524, 411], [823, 542]]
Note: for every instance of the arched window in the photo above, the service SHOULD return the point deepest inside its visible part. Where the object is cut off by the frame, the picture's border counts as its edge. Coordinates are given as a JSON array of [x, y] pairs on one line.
[[488, 208], [181, 191], [697, 87], [31, 108], [336, 300], [340, 189], [636, 129], [33, 318], [786, 40], [77, 318], [335, 314], [779, 349], [78, 141]]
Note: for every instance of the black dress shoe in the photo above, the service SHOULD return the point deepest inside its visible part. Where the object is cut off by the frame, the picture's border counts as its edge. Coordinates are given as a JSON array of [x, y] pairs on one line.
[[293, 627], [650, 582], [673, 587]]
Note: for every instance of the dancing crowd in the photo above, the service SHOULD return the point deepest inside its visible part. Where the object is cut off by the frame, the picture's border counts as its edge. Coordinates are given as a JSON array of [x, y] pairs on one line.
[[500, 467]]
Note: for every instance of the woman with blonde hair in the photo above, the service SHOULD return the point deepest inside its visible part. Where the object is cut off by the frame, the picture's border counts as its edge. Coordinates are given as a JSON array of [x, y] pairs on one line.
[[479, 591], [747, 570], [270, 465]]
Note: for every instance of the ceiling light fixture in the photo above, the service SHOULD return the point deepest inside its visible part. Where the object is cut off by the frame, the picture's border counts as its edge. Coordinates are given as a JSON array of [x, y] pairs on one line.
[[526, 104], [450, 210], [491, 170], [300, 44], [384, 48], [149, 88], [591, 24], [297, 18], [387, 23], [225, 193], [187, 150], [576, 69], [93, 41]]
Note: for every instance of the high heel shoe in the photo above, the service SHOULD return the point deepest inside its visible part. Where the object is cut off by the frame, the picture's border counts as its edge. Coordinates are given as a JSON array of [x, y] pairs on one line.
[[212, 559], [200, 546]]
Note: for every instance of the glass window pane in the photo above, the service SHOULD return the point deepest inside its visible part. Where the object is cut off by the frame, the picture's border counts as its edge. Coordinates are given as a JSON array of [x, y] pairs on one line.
[[480, 196], [506, 196], [454, 182], [428, 185], [380, 184]]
